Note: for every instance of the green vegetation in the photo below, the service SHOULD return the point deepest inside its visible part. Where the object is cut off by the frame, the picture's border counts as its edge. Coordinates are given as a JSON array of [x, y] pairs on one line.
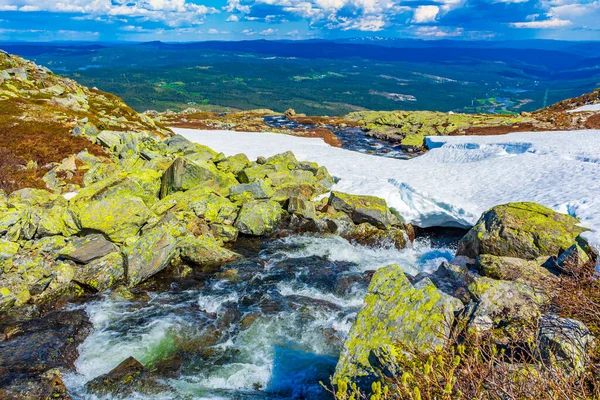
[[163, 78]]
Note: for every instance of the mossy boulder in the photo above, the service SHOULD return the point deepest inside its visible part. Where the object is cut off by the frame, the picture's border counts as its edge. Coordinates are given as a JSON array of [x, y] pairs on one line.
[[257, 190], [234, 164], [513, 269], [117, 218], [370, 209], [395, 313], [88, 248], [499, 303], [204, 252], [8, 249], [149, 254], [102, 273], [521, 230], [259, 218]]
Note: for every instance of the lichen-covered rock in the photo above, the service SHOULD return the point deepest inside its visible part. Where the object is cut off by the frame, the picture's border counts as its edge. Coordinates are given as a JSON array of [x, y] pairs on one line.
[[498, 303], [303, 190], [257, 190], [183, 175], [214, 209], [574, 256], [125, 379], [117, 218], [204, 252], [565, 341], [8, 249], [179, 144], [87, 248], [370, 209], [259, 218], [521, 230], [234, 164], [395, 312], [55, 220], [513, 269], [31, 197], [102, 273], [149, 254], [182, 201], [301, 207]]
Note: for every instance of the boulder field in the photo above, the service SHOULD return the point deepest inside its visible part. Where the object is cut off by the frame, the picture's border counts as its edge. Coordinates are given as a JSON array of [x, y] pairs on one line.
[[499, 284], [130, 201]]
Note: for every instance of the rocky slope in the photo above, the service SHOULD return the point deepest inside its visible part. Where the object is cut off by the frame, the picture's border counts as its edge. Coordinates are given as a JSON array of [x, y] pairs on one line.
[[113, 199], [98, 198], [502, 289]]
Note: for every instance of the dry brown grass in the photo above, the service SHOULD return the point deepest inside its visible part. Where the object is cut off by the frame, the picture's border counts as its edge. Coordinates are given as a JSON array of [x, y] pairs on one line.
[[41, 141]]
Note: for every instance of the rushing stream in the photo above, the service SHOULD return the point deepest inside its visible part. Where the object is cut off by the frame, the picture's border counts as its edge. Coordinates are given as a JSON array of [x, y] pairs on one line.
[[268, 326], [353, 139]]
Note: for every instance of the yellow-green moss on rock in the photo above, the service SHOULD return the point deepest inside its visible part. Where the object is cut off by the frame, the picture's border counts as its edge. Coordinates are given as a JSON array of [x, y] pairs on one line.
[[521, 230], [259, 218], [395, 312]]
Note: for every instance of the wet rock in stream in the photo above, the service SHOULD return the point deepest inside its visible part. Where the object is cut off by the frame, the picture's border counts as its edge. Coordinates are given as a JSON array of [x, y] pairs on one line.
[[31, 348]]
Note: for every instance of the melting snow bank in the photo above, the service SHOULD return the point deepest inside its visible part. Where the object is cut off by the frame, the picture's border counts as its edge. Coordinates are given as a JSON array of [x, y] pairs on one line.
[[460, 178]]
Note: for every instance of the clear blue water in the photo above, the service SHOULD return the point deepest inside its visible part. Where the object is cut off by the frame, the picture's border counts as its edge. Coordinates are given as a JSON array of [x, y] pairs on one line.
[[273, 329]]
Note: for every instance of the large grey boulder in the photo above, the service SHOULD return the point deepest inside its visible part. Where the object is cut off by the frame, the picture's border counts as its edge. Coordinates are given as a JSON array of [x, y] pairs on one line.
[[150, 254], [370, 209], [566, 341], [88, 248], [395, 313], [521, 230]]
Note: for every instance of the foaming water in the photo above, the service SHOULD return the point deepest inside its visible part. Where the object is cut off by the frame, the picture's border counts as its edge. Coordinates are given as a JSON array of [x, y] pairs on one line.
[[273, 329]]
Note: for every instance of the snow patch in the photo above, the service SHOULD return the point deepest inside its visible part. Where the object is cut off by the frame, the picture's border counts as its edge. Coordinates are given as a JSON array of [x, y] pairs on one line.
[[458, 179], [589, 107]]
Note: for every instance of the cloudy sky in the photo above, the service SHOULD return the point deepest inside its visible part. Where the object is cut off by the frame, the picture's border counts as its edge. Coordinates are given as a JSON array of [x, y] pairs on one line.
[[194, 20]]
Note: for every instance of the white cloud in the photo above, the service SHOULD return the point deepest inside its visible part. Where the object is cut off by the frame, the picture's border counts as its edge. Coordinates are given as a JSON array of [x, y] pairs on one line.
[[248, 32], [268, 32], [235, 5], [545, 24], [170, 12], [425, 14], [436, 32], [232, 18], [295, 32]]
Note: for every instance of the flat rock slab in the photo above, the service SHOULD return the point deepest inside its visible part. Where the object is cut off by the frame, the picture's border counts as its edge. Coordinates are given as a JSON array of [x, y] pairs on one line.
[[88, 248]]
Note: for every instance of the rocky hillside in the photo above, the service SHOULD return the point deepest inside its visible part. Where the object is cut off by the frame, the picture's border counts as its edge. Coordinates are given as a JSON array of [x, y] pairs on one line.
[[407, 128], [97, 197], [39, 111]]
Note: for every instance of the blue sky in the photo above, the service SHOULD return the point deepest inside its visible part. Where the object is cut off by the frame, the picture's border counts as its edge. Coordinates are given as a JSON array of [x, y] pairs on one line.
[[195, 20]]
